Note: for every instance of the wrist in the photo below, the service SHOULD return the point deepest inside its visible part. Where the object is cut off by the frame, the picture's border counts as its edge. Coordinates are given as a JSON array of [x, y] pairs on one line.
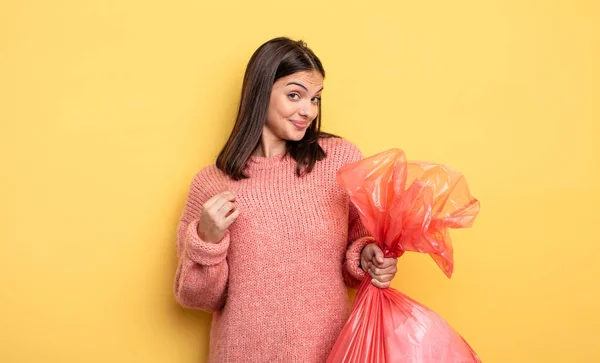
[[205, 238]]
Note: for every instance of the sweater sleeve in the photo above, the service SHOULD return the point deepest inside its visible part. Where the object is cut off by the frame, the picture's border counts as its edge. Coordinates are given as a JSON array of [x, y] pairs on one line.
[[358, 236], [202, 271]]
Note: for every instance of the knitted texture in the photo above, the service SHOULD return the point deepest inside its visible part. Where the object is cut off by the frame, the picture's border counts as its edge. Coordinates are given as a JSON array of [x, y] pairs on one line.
[[276, 282]]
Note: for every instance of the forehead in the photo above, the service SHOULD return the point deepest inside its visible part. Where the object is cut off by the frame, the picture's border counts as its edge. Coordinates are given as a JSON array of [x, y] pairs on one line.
[[311, 79]]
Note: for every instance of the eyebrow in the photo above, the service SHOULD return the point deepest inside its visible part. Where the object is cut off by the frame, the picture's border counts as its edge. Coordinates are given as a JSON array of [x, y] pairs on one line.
[[303, 86]]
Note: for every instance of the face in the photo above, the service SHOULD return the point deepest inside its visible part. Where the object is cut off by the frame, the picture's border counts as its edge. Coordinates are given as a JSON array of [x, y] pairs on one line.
[[294, 105]]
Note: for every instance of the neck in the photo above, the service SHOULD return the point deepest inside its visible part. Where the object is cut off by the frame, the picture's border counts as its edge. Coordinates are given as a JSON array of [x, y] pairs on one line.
[[270, 146]]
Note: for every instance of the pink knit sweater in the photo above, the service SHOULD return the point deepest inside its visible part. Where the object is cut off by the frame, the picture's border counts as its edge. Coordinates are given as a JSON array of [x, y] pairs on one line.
[[276, 283]]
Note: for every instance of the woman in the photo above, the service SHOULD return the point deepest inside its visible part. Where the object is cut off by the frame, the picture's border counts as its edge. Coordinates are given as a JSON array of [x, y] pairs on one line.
[[268, 241]]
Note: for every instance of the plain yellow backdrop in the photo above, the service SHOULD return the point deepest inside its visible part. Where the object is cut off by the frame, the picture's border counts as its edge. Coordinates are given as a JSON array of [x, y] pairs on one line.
[[108, 108]]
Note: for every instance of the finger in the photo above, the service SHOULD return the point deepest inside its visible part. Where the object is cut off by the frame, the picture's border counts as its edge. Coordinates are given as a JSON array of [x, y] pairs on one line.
[[226, 197], [222, 198], [381, 278], [379, 284], [384, 271], [378, 255], [375, 262], [209, 203], [365, 265], [220, 201], [230, 195], [367, 252], [232, 217], [387, 262], [231, 211], [225, 209]]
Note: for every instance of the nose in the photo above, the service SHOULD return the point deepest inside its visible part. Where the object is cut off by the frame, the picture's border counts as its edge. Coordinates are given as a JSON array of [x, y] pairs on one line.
[[308, 110]]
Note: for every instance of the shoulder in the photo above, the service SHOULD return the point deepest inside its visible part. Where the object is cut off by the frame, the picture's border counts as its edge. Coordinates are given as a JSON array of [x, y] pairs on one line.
[[340, 150], [210, 180]]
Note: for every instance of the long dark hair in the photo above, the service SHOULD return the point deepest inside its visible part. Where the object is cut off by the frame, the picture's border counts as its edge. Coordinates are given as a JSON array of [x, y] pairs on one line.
[[274, 59]]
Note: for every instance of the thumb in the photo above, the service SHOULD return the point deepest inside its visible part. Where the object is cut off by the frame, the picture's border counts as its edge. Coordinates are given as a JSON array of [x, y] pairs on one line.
[[379, 255]]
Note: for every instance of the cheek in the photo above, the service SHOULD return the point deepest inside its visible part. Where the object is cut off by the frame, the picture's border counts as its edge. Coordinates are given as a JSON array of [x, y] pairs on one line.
[[284, 108]]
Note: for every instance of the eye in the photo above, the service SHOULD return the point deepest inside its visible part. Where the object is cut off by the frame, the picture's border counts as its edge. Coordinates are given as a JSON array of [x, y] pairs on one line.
[[316, 100], [294, 96]]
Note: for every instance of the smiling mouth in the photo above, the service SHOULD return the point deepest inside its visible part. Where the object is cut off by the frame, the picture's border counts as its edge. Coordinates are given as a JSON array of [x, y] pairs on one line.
[[300, 125]]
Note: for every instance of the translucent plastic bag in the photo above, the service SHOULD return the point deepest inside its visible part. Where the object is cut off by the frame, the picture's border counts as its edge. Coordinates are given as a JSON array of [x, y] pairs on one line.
[[405, 206]]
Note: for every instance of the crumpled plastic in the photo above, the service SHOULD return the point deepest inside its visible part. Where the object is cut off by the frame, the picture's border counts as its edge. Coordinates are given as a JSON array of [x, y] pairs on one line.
[[405, 206]]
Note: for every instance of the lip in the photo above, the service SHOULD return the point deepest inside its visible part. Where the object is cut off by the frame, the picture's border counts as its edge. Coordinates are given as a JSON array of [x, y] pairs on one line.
[[300, 125]]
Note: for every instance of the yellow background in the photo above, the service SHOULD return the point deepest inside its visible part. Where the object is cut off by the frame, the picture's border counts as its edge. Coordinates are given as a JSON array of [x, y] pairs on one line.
[[108, 108]]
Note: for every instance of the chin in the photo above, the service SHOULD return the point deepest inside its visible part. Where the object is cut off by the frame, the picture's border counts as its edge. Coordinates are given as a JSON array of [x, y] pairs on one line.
[[296, 136]]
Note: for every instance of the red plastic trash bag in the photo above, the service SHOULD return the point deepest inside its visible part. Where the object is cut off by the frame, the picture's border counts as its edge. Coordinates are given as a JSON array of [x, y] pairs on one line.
[[405, 206]]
